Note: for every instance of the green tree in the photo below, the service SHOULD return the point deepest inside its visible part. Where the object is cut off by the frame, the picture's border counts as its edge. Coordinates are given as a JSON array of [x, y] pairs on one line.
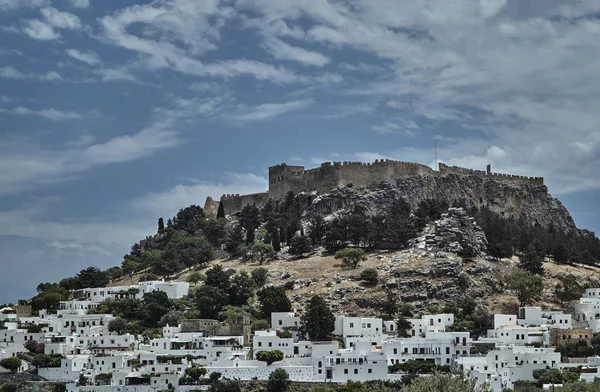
[[156, 305], [241, 289], [235, 241], [71, 283], [149, 257], [136, 250], [225, 386], [215, 231], [92, 277], [369, 275], [221, 210], [190, 219], [560, 252], [195, 277], [279, 381], [444, 382], [129, 267], [249, 219], [117, 325], [273, 299], [195, 373], [403, 325], [209, 301], [269, 356], [317, 322], [568, 289], [187, 250], [114, 273], [260, 276], [217, 277], [351, 256], [299, 245], [399, 226], [148, 277], [532, 261], [261, 251], [389, 306], [526, 285], [11, 363], [161, 225], [316, 229]]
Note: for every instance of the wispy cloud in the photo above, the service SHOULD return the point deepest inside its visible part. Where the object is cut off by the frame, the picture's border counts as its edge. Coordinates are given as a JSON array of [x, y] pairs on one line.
[[12, 73], [80, 3], [167, 203], [50, 114], [284, 51], [7, 5], [405, 126], [269, 110], [54, 20], [88, 57]]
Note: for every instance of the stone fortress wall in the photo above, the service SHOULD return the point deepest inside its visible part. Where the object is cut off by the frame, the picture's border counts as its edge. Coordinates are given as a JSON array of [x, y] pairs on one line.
[[330, 175]]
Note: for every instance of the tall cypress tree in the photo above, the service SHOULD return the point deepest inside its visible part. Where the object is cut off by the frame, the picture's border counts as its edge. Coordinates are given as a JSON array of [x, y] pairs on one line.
[[317, 322]]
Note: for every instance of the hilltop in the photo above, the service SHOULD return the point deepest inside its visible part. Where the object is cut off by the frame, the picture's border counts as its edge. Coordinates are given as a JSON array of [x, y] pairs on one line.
[[433, 240]]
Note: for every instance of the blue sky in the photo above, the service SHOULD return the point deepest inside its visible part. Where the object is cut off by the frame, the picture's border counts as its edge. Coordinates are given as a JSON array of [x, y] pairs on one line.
[[116, 112]]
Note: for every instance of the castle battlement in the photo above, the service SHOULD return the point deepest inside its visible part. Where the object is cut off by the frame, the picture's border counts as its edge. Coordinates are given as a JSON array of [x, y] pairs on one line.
[[284, 178]]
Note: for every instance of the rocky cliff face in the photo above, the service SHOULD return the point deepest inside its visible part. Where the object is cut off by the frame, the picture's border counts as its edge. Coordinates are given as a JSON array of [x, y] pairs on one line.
[[509, 199]]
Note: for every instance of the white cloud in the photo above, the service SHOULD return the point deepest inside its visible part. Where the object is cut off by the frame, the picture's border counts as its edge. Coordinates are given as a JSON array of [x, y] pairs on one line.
[[6, 5], [50, 114], [269, 110], [51, 76], [80, 3], [491, 68], [284, 51], [88, 57], [39, 30], [61, 20], [11, 73], [405, 126], [53, 19], [169, 202], [197, 26]]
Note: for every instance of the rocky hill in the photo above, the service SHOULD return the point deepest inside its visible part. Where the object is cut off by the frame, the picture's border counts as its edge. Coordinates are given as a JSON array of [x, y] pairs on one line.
[[530, 201]]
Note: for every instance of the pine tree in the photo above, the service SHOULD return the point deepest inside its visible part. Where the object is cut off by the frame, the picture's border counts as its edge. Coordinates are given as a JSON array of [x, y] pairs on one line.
[[221, 211], [531, 260], [161, 225], [318, 322]]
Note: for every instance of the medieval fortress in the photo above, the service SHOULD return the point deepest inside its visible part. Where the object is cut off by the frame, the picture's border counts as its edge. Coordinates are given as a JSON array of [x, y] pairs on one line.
[[284, 178]]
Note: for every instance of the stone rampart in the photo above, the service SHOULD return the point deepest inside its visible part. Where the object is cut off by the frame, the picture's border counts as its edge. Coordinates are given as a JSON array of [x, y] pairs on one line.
[[284, 178], [445, 169], [330, 175], [235, 202]]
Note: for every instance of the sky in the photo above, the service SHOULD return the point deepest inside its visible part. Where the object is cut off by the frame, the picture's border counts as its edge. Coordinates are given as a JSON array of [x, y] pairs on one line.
[[116, 112]]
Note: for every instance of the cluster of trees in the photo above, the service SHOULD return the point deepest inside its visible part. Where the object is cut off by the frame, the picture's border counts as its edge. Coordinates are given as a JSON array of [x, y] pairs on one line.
[[469, 316], [279, 222], [134, 315], [529, 287], [185, 241], [507, 237], [414, 367]]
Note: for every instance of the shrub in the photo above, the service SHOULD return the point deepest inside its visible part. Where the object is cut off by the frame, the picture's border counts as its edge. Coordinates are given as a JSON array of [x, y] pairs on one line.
[[369, 275], [260, 276], [351, 256], [269, 356], [148, 277]]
